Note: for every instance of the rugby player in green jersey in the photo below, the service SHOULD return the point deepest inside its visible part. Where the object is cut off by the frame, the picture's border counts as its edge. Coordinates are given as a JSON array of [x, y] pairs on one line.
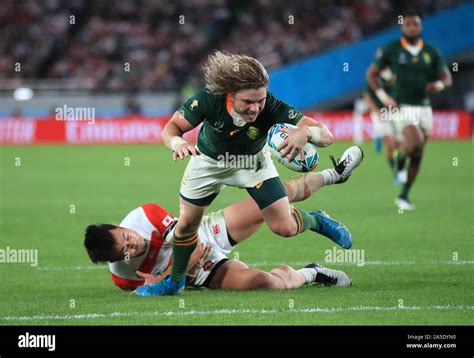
[[236, 110], [385, 129], [419, 70]]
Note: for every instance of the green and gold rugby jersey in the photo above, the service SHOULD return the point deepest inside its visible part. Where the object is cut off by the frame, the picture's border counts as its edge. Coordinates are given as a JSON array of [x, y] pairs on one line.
[[219, 134], [412, 71]]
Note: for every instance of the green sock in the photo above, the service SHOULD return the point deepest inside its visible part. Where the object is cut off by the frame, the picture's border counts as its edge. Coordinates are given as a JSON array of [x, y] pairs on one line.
[[183, 247], [405, 189], [401, 158], [391, 163], [304, 220]]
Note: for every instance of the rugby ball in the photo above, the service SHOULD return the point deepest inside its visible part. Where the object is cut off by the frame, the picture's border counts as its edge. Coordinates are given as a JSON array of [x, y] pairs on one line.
[[311, 155]]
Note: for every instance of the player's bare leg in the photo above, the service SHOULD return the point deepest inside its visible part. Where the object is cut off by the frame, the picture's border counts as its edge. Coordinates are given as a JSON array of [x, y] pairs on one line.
[[289, 221], [413, 148], [280, 219], [244, 218], [390, 145], [190, 217], [235, 275]]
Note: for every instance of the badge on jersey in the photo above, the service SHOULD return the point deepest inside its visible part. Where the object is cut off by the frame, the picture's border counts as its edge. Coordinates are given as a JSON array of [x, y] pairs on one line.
[[253, 132], [426, 57], [167, 221]]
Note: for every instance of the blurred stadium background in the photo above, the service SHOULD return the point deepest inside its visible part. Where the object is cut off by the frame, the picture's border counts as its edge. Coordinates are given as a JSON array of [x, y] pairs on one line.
[[129, 65], [139, 59]]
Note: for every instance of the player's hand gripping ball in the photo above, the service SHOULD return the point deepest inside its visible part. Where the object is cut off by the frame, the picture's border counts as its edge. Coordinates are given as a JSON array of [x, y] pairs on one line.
[[310, 152]]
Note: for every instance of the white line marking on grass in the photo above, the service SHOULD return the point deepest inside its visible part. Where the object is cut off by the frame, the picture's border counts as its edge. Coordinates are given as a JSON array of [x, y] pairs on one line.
[[301, 263], [69, 268], [44, 317], [462, 262], [274, 264], [366, 263]]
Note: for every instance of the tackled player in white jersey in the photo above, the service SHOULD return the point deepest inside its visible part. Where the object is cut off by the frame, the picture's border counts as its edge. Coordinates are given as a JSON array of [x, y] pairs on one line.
[[139, 249]]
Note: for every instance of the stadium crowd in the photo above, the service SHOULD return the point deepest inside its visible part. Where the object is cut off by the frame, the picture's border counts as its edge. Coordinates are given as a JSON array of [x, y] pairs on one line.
[[157, 45]]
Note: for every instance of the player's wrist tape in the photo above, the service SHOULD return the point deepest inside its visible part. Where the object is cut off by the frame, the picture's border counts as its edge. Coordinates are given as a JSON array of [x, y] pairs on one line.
[[315, 134], [382, 95], [439, 85], [175, 142]]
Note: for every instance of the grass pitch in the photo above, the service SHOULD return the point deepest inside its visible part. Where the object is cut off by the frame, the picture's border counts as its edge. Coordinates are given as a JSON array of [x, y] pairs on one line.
[[418, 265]]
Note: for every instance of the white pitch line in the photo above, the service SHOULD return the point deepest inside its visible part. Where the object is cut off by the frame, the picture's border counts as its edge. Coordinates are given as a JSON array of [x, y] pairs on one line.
[[366, 263], [274, 264], [69, 268], [43, 317], [462, 262], [301, 263]]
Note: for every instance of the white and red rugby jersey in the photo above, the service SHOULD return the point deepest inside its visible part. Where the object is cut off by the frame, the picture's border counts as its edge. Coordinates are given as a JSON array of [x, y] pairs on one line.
[[154, 224]]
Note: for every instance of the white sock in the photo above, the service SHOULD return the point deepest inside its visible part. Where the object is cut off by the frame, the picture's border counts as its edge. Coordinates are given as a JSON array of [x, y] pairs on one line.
[[309, 274], [330, 176]]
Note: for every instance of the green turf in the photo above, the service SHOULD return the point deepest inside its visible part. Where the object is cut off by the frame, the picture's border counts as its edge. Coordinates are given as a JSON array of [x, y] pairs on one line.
[[418, 284]]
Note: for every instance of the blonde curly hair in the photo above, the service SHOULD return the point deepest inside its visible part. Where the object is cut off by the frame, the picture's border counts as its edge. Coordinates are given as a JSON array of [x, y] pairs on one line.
[[225, 72]]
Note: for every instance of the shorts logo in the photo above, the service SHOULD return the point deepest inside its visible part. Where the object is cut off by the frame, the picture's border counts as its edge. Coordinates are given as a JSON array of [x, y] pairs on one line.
[[207, 265], [216, 229]]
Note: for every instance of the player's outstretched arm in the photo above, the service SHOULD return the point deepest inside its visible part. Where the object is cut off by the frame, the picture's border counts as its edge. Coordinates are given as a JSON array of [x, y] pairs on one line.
[[173, 137], [372, 76], [319, 132]]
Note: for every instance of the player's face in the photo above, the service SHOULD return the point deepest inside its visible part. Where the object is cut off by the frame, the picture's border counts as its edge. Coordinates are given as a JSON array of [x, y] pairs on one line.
[[411, 28], [249, 103], [128, 243]]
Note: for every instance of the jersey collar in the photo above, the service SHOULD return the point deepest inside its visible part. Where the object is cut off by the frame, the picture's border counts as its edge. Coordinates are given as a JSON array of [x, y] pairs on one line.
[[236, 118], [413, 49]]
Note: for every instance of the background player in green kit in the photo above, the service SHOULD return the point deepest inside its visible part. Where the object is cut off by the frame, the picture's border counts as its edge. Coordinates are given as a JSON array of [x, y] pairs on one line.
[[385, 129], [419, 70], [236, 111]]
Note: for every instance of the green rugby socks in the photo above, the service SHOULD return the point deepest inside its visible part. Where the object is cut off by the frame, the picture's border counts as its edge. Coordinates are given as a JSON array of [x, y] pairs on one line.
[[304, 220], [183, 247]]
